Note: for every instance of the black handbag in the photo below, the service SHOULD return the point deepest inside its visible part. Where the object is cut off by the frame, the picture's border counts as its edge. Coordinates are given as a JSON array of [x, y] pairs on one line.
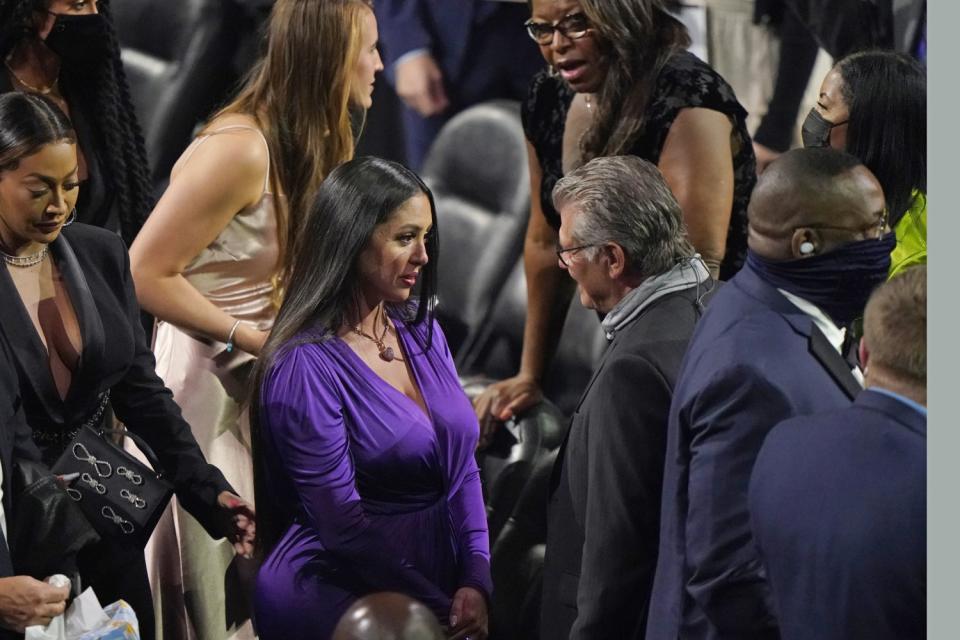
[[120, 496]]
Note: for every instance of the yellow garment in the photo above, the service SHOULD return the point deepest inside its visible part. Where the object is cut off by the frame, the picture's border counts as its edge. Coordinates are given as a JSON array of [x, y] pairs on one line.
[[911, 231]]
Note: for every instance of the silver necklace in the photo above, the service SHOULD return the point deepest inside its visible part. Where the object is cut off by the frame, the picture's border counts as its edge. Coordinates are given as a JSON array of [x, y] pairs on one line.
[[25, 261]]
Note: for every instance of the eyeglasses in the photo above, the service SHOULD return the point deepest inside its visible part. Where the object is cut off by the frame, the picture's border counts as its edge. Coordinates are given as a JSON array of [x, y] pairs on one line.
[[572, 27], [570, 250], [880, 228]]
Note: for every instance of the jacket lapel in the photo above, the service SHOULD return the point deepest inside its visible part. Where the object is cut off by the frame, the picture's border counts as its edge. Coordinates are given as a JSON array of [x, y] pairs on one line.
[[831, 360], [91, 326], [26, 347], [818, 345]]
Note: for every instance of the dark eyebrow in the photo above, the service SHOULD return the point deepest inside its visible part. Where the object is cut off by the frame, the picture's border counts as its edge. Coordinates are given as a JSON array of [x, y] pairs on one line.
[[49, 179]]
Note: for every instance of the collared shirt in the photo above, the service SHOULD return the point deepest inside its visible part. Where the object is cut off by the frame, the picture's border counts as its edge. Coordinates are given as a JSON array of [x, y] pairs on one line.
[[834, 334], [916, 406]]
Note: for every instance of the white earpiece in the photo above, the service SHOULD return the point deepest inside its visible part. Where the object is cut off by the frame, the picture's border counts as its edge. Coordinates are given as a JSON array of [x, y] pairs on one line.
[[806, 248]]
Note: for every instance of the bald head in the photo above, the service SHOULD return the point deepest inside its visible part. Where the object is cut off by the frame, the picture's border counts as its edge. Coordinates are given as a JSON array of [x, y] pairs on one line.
[[820, 196], [388, 616]]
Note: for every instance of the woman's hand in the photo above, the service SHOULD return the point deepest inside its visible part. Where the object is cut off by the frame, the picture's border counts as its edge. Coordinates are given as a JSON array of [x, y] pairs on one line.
[[468, 615], [242, 528], [503, 400], [25, 601]]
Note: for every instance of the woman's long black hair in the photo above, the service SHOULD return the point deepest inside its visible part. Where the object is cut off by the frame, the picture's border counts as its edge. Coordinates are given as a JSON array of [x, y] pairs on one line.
[[104, 95], [324, 286], [886, 95]]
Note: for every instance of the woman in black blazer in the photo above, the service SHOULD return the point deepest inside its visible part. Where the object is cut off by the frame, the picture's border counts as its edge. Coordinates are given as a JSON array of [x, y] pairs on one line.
[[71, 321]]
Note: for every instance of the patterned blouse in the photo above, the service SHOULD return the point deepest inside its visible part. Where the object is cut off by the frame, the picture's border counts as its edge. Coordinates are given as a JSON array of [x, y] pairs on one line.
[[684, 82]]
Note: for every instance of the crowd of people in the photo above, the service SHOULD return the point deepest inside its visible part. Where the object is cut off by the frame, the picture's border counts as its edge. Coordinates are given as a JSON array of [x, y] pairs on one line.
[[756, 421]]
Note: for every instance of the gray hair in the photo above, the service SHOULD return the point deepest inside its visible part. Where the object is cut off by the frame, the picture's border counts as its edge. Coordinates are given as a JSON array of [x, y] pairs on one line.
[[625, 200]]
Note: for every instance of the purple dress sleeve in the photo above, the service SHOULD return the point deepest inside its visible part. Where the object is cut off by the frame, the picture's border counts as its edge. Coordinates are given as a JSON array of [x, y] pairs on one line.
[[306, 428]]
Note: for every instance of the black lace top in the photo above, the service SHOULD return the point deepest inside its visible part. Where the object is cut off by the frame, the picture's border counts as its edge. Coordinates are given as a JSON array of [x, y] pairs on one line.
[[685, 81]]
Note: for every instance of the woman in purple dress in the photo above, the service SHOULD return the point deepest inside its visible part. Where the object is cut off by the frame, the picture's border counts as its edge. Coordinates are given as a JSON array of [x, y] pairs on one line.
[[363, 442]]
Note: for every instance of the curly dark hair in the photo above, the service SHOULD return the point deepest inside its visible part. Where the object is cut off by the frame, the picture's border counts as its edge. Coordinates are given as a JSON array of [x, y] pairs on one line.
[[102, 92]]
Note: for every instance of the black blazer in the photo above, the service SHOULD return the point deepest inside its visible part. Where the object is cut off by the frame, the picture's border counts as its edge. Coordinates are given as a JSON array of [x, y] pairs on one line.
[[96, 270], [838, 506], [14, 436], [604, 508]]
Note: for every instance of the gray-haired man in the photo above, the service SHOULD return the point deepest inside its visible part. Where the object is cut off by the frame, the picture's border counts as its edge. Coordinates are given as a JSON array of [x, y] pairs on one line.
[[623, 240]]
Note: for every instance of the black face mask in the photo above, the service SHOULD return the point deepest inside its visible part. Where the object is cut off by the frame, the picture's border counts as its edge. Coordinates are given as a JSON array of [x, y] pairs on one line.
[[839, 281], [816, 130], [79, 40]]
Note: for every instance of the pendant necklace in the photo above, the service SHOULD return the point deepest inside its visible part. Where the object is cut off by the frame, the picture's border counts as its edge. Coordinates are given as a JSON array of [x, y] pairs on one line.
[[387, 354]]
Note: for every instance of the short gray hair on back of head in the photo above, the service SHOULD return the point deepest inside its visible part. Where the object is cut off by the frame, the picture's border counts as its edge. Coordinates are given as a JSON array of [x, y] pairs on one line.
[[625, 200]]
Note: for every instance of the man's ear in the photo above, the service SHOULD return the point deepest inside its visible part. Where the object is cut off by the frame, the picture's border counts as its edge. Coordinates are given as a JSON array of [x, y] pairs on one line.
[[864, 353], [805, 243], [616, 259]]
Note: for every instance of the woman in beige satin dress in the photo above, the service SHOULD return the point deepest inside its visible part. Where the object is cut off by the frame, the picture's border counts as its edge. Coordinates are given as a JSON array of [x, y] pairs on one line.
[[210, 264]]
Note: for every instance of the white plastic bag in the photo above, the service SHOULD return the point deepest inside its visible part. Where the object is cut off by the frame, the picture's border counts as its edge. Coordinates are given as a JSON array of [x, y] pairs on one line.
[[85, 619]]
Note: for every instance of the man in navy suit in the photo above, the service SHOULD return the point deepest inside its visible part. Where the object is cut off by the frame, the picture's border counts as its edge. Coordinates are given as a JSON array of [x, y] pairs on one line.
[[446, 55], [838, 499], [768, 348]]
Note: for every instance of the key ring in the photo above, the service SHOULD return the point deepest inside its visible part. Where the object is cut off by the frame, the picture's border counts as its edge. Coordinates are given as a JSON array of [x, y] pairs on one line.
[[125, 525], [75, 494], [130, 475], [93, 483], [81, 453], [133, 499]]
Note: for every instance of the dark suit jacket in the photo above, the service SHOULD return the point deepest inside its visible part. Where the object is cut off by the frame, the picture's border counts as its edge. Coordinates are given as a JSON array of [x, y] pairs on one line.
[[754, 360], [441, 26], [14, 436], [838, 507], [604, 508], [95, 268]]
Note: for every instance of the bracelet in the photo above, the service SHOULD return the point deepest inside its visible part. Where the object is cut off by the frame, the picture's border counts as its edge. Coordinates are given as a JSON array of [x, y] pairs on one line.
[[233, 330]]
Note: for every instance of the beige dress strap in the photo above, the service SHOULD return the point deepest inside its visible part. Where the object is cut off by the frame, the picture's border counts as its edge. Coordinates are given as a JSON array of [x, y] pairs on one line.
[[232, 127]]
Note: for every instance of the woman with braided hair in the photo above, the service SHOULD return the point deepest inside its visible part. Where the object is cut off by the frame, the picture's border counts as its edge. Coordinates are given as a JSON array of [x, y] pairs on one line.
[[67, 51], [212, 259]]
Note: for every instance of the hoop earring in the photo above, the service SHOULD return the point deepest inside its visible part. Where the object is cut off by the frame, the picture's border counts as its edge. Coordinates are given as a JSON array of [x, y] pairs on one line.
[[71, 218]]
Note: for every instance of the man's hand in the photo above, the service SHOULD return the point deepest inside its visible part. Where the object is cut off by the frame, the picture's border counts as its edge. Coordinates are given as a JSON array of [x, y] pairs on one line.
[[243, 523], [504, 400], [25, 601], [468, 615], [420, 85]]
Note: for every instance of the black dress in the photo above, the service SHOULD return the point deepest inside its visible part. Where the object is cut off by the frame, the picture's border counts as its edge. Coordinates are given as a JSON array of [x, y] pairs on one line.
[[115, 357], [684, 82]]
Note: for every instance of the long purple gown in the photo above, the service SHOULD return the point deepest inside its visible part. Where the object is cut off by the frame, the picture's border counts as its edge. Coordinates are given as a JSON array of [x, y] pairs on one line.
[[382, 497]]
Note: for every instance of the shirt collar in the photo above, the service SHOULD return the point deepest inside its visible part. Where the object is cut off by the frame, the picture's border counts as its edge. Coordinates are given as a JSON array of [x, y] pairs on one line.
[[834, 334], [916, 406]]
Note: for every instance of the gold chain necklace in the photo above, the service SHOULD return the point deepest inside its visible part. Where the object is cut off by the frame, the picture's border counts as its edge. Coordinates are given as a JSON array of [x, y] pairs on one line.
[[26, 85], [387, 354]]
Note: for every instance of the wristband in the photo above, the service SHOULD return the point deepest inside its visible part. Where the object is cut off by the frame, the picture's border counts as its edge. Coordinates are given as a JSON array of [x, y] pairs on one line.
[[230, 335]]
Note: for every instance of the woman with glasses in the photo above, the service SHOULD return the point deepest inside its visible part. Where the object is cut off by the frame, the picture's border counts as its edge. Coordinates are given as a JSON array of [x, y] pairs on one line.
[[620, 82], [873, 105]]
